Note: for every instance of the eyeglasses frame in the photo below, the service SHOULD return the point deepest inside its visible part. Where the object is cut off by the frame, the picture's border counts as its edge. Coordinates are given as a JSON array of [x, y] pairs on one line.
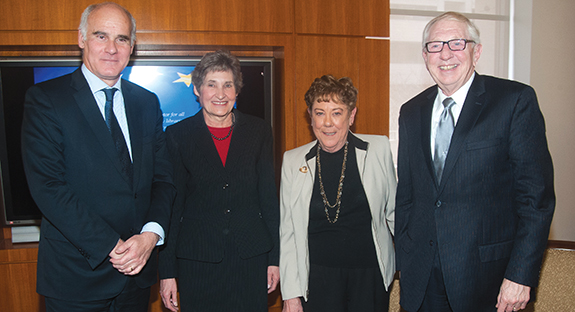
[[443, 43]]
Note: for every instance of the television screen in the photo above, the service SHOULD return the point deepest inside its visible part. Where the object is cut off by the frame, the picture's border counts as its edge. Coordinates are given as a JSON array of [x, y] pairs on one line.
[[169, 78]]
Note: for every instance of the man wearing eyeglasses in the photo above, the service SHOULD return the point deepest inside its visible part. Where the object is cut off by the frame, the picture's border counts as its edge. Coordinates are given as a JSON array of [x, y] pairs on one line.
[[475, 195]]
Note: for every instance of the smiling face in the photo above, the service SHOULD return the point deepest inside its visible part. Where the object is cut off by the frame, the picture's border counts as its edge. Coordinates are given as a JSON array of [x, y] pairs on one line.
[[330, 122], [217, 95], [451, 69], [107, 46]]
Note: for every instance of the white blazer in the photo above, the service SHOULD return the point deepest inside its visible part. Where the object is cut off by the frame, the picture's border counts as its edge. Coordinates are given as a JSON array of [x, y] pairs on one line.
[[377, 174]]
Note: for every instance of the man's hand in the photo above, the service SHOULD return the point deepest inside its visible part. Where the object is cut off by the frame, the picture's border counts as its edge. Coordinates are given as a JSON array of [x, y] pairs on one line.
[[169, 293], [112, 253], [130, 257], [273, 278], [512, 296]]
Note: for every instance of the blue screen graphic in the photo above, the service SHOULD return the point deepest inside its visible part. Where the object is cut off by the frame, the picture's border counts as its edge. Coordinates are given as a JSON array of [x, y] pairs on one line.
[[172, 84]]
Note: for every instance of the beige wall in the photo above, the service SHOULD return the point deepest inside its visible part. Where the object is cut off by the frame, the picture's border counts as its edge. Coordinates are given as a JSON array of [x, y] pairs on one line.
[[553, 77]]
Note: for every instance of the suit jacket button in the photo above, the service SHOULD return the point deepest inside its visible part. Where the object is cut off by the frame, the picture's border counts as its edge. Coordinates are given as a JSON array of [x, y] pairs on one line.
[[226, 231], [438, 203], [431, 243]]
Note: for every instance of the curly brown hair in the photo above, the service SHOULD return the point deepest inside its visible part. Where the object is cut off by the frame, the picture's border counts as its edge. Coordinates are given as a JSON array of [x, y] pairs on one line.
[[328, 88]]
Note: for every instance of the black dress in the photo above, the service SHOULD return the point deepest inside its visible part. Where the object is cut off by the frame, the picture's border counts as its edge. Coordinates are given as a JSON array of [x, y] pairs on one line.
[[344, 271]]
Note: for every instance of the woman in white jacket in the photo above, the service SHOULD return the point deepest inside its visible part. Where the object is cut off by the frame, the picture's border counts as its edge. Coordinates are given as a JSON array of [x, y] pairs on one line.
[[337, 210]]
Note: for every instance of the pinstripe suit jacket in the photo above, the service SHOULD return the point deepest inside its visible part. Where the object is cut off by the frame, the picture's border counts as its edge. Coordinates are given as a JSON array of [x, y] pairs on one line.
[[214, 201], [489, 217]]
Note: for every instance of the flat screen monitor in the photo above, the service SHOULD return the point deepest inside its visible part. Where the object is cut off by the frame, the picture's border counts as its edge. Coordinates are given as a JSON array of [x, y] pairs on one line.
[[169, 78]]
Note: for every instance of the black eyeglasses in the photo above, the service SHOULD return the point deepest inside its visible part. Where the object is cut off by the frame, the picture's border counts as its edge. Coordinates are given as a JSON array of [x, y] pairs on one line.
[[453, 44]]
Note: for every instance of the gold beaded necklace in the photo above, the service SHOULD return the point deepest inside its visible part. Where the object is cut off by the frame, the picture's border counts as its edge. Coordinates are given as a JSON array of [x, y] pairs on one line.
[[337, 203]]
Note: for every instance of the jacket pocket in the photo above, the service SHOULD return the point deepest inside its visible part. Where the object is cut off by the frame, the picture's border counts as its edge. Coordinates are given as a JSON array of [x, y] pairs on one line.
[[483, 144], [496, 251]]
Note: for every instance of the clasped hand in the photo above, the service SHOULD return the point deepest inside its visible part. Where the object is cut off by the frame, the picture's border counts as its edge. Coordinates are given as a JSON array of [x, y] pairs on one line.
[[130, 257]]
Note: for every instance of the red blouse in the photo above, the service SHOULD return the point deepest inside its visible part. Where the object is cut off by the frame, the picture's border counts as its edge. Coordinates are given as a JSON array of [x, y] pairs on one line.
[[222, 145]]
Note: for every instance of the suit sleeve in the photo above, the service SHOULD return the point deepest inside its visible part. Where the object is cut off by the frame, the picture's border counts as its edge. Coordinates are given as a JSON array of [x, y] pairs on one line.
[[290, 282], [163, 190], [391, 185], [268, 194], [534, 196], [403, 199], [45, 167], [168, 263]]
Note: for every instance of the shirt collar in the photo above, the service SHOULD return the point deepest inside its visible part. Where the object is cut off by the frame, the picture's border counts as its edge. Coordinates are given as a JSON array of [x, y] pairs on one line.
[[95, 83], [459, 95]]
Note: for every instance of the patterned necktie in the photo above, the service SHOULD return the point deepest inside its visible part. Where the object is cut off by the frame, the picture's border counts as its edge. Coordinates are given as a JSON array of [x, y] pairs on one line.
[[117, 134], [443, 137]]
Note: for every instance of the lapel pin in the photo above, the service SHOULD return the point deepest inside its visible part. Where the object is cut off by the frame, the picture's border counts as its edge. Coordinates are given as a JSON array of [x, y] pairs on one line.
[[303, 169]]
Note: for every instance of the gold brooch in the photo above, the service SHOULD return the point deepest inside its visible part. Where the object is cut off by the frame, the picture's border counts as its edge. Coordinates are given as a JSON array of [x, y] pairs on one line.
[[303, 169]]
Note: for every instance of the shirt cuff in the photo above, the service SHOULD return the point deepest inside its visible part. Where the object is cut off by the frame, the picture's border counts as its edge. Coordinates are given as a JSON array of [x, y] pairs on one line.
[[154, 227]]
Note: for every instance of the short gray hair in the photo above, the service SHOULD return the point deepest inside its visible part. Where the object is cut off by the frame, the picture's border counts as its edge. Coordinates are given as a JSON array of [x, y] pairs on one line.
[[472, 30], [218, 61], [83, 28]]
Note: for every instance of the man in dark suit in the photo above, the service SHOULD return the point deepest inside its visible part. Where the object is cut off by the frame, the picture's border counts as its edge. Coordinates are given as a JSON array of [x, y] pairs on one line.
[[98, 168], [475, 194]]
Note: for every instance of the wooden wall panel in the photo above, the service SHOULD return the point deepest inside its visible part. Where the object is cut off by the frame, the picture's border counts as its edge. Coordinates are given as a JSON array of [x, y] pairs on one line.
[[357, 58], [41, 14], [18, 288], [343, 17], [18, 276], [317, 56], [373, 98], [154, 15], [215, 15]]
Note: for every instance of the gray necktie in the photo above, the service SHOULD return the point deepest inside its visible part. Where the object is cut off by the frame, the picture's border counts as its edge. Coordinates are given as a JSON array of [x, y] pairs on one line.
[[117, 135], [443, 137]]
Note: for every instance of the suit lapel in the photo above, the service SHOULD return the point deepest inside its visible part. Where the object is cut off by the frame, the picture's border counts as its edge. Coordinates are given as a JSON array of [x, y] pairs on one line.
[[302, 187], [202, 138], [425, 115], [360, 152], [361, 149], [89, 108], [304, 179], [469, 114], [135, 126], [360, 157]]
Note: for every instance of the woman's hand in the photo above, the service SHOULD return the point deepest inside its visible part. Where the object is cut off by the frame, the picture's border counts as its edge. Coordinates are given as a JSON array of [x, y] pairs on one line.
[[169, 293], [273, 277], [292, 305]]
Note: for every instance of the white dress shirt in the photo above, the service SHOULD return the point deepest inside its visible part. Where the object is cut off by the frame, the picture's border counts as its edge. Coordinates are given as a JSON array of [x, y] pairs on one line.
[[459, 98], [96, 86]]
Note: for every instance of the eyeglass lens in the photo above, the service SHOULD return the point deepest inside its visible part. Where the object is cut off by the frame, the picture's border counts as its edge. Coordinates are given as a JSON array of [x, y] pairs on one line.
[[454, 45]]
